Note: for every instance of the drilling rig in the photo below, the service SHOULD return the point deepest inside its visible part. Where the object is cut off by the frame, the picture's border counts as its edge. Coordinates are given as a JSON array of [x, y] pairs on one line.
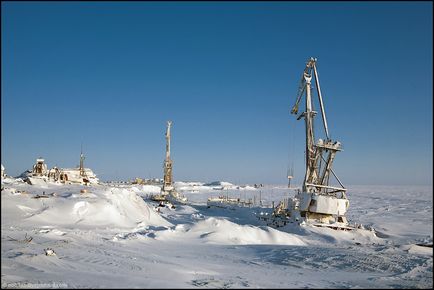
[[168, 193], [317, 203], [167, 181], [81, 168], [318, 200]]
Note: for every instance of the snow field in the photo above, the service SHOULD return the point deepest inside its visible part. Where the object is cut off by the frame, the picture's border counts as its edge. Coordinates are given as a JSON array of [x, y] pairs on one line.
[[114, 237]]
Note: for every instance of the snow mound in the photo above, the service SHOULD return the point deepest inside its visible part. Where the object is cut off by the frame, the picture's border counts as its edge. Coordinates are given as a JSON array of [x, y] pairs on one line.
[[248, 187], [189, 183], [221, 231], [115, 207], [321, 235], [9, 180], [151, 189], [146, 189], [418, 249], [219, 183], [192, 186]]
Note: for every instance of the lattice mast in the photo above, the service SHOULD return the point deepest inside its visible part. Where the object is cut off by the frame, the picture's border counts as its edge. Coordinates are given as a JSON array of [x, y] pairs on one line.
[[81, 168], [319, 156], [167, 181]]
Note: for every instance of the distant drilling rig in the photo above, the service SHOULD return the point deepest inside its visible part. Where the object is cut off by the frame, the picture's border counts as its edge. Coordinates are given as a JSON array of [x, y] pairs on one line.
[[168, 179], [168, 193], [82, 172]]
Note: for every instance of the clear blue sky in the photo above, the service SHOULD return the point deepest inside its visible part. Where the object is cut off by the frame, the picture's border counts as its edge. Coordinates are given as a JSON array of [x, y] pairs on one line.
[[109, 75]]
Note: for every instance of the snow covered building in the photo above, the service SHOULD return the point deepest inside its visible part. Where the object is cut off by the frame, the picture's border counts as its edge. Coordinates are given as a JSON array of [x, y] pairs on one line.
[[78, 175], [40, 168], [40, 174]]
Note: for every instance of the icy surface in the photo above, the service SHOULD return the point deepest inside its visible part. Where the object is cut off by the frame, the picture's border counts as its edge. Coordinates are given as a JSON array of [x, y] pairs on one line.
[[106, 236]]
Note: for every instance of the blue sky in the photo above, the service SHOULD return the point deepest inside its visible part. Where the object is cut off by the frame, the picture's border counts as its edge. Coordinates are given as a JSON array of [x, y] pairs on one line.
[[109, 75]]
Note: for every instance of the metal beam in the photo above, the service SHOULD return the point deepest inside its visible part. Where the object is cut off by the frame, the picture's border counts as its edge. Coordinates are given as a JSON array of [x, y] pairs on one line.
[[324, 119], [334, 174], [326, 186]]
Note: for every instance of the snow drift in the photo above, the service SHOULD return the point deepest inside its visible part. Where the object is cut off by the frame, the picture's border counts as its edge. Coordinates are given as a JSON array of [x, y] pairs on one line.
[[221, 231], [114, 207]]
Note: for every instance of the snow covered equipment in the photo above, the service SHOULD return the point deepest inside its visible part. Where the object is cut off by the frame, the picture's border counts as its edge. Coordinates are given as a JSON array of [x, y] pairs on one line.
[[318, 203]]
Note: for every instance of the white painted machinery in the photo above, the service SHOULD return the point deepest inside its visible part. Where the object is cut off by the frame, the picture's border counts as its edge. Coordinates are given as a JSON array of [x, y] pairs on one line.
[[318, 202]]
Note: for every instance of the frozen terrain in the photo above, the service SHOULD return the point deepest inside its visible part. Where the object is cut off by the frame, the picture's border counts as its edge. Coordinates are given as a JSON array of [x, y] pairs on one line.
[[113, 236]]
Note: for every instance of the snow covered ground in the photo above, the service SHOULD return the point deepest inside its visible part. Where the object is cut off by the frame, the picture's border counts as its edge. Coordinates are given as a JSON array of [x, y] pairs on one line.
[[112, 236]]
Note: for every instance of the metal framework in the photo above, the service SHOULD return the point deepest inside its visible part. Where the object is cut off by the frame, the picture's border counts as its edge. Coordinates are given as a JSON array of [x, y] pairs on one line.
[[168, 181], [319, 156], [82, 172]]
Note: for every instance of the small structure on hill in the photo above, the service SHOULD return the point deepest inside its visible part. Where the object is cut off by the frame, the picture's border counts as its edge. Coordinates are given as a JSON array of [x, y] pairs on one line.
[[79, 174], [3, 173], [139, 181], [58, 175], [40, 168], [147, 181], [224, 201], [39, 173], [54, 173]]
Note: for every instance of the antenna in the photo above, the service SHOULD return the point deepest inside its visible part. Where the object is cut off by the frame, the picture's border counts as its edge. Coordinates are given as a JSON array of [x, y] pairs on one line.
[[82, 173], [290, 171]]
